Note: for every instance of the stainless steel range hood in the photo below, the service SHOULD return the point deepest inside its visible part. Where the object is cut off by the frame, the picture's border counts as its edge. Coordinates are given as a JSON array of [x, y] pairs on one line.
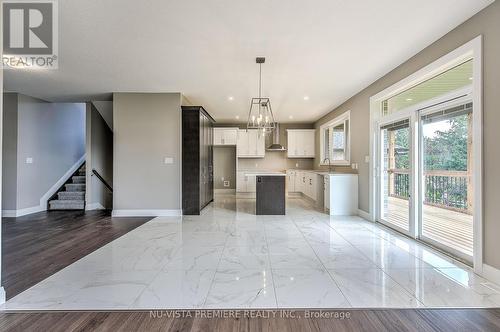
[[276, 146]]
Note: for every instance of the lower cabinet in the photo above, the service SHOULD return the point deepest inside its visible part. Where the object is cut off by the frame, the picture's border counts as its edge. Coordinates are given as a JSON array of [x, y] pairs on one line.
[[245, 183], [310, 184], [341, 194]]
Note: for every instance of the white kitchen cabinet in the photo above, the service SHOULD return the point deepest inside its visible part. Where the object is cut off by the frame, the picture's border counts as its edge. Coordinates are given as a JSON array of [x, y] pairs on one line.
[[245, 183], [225, 136], [251, 184], [311, 185], [301, 143], [291, 175], [341, 194], [300, 182], [241, 183], [250, 144]]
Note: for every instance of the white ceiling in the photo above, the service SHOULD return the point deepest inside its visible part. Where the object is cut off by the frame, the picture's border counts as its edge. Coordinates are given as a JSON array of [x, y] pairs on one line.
[[327, 50]]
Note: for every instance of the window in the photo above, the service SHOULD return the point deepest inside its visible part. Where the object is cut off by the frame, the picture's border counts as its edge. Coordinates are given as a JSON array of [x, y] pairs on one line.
[[453, 79], [335, 141]]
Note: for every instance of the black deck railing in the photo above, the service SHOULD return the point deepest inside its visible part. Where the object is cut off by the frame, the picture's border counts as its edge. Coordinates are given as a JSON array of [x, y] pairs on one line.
[[445, 189]]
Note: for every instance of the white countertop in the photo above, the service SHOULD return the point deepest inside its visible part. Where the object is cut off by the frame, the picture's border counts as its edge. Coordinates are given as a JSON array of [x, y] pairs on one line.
[[264, 173], [320, 172]]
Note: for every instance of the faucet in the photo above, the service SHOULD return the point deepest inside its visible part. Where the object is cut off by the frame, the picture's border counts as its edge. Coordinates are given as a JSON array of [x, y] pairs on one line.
[[330, 168]]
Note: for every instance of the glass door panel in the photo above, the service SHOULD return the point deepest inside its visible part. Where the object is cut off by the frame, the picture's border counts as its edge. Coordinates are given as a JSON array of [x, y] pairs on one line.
[[395, 175], [446, 180]]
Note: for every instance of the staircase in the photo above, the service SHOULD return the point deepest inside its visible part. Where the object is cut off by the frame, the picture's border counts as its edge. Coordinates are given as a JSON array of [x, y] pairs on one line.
[[72, 195]]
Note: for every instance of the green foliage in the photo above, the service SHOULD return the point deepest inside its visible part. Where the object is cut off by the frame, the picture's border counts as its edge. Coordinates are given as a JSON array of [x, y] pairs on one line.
[[447, 150]]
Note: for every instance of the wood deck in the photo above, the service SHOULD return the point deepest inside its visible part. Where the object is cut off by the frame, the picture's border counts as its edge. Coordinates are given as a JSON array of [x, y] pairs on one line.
[[451, 228]]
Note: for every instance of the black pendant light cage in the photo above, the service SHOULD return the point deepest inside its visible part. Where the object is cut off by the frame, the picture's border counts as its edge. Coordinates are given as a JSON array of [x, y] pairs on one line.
[[260, 115]]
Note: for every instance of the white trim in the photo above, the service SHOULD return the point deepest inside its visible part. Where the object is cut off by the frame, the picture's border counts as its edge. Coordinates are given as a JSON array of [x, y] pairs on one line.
[[9, 213], [146, 213], [60, 182], [47, 195], [337, 120], [365, 215], [94, 206], [23, 212], [3, 296], [471, 50], [491, 273]]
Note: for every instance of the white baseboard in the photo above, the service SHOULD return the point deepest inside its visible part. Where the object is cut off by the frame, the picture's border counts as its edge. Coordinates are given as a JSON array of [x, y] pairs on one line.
[[3, 297], [365, 215], [94, 206], [491, 273], [225, 191], [146, 213], [23, 212], [9, 213], [45, 198]]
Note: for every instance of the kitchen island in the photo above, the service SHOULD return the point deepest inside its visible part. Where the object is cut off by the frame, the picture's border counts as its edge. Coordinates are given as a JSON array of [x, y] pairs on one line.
[[270, 193]]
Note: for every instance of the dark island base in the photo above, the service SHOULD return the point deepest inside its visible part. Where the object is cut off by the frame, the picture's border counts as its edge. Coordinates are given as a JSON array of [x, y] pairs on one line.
[[270, 195]]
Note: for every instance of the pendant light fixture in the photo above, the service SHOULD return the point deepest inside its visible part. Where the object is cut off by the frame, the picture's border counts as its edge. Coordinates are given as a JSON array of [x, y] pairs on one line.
[[261, 115]]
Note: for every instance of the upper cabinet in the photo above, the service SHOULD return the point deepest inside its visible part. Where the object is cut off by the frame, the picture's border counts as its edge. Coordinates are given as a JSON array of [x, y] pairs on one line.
[[250, 144], [225, 136], [301, 143]]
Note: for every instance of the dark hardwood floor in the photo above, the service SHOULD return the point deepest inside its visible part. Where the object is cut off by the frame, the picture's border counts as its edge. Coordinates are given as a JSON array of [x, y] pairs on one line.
[[38, 245], [359, 320]]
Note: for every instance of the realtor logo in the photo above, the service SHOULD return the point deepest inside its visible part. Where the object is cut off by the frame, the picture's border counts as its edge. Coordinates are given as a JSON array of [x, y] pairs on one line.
[[29, 34]]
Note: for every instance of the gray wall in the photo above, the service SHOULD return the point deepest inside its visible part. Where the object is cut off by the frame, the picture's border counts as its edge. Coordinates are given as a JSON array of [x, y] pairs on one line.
[[277, 160], [147, 128], [105, 108], [99, 157], [224, 166], [9, 151], [53, 135], [486, 23]]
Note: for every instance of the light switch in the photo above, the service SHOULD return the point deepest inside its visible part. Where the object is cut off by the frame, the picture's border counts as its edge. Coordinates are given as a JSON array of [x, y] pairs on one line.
[[168, 160], [367, 159], [29, 160], [296, 165]]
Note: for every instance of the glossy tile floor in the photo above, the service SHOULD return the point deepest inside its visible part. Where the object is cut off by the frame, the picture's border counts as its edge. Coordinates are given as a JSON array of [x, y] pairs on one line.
[[230, 258]]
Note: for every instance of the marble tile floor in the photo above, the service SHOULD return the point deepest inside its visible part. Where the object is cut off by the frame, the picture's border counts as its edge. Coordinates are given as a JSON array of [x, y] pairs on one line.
[[230, 258]]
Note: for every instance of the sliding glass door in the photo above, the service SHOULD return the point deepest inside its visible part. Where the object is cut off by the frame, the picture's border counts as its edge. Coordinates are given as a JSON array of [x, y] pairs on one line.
[[446, 193], [395, 175], [437, 207]]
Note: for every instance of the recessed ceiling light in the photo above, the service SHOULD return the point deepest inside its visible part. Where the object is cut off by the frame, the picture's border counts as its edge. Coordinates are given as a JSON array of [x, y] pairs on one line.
[[470, 78], [306, 97], [290, 117], [230, 98], [409, 99], [237, 117]]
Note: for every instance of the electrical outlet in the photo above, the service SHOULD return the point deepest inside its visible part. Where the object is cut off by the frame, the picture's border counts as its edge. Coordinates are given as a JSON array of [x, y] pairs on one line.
[[226, 183]]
